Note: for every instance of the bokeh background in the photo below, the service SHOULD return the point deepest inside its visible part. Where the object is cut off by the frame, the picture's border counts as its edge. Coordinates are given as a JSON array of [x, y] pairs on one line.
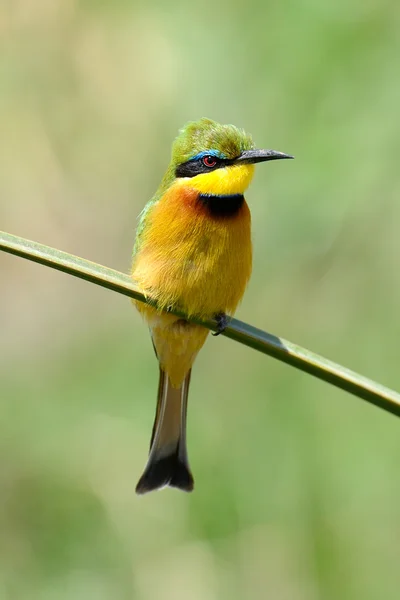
[[297, 484]]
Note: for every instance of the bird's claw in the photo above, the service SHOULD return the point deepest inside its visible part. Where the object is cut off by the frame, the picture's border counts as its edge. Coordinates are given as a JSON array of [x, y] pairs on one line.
[[222, 323]]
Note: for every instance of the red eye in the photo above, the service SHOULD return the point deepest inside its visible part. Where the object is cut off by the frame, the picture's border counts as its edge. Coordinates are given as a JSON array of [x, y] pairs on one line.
[[209, 161]]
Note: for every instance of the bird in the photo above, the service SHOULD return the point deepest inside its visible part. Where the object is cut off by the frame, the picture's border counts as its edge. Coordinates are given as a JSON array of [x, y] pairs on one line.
[[193, 255]]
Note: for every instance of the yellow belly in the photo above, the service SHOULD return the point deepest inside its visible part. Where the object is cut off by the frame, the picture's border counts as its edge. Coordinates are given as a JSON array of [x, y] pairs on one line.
[[177, 343], [193, 262]]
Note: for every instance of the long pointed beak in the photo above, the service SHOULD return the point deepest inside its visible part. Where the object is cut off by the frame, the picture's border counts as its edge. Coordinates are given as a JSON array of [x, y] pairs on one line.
[[256, 156]]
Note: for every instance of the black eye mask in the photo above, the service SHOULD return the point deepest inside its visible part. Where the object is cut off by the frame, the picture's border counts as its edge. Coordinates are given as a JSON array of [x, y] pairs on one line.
[[194, 167]]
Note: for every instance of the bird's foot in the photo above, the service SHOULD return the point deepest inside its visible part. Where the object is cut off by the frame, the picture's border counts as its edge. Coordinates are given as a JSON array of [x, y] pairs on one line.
[[222, 323]]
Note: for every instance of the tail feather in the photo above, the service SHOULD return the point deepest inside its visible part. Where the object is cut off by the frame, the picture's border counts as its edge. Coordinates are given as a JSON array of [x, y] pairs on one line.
[[168, 461]]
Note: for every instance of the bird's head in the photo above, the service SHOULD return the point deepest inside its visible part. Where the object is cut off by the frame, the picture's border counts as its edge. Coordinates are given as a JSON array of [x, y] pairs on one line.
[[216, 159]]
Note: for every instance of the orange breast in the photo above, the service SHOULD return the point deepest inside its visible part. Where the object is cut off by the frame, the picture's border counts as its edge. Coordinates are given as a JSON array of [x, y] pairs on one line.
[[192, 260]]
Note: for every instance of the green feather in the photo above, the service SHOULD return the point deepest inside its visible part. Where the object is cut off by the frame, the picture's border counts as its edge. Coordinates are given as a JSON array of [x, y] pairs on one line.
[[196, 137]]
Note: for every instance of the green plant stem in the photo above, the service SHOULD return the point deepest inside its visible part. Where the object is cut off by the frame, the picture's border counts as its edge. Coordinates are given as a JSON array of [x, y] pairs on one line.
[[237, 330]]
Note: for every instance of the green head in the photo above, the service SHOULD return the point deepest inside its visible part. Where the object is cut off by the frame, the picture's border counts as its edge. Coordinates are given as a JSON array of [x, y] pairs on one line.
[[205, 135], [218, 159], [214, 159]]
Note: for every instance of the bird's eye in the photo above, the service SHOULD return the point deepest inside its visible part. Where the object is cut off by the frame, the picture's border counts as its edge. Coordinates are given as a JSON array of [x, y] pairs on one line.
[[209, 161]]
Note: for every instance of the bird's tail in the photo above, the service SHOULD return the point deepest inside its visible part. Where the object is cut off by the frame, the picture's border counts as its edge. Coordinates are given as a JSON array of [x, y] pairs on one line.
[[168, 462]]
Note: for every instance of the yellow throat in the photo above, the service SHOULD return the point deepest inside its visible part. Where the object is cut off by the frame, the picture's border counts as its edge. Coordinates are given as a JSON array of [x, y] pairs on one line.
[[234, 179]]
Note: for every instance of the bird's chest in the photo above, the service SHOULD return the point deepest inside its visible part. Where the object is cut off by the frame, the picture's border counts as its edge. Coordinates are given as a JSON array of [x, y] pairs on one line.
[[200, 262]]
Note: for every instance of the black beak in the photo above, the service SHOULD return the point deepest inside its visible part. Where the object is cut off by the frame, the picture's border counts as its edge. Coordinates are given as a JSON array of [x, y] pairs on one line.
[[256, 156]]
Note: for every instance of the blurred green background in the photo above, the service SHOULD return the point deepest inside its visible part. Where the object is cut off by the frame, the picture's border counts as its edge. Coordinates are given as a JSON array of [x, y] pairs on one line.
[[297, 484]]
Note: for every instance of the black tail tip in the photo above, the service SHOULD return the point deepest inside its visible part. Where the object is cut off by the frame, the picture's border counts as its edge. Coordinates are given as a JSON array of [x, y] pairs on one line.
[[167, 471]]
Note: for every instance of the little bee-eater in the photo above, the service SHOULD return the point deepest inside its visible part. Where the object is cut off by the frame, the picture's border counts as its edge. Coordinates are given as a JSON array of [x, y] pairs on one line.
[[192, 253]]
